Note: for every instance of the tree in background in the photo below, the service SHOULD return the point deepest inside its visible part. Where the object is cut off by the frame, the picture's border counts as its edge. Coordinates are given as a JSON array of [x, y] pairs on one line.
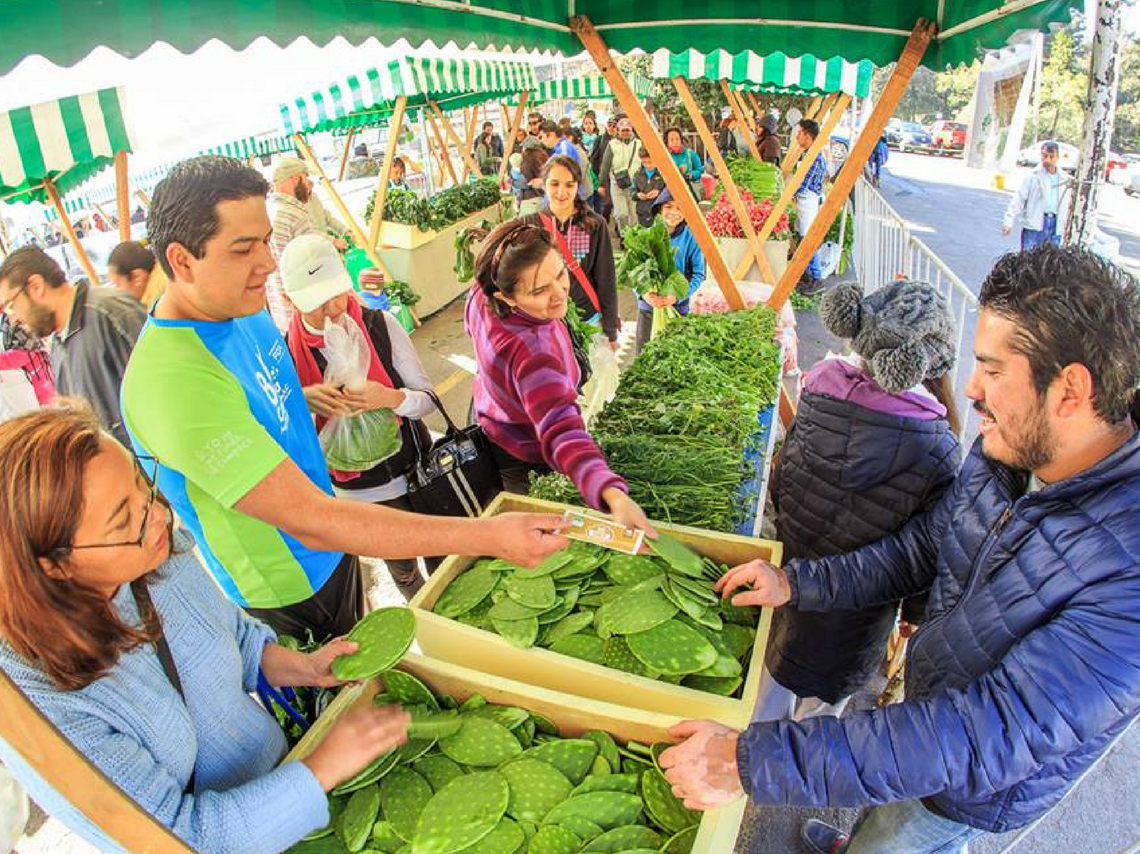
[[1127, 132], [1064, 79]]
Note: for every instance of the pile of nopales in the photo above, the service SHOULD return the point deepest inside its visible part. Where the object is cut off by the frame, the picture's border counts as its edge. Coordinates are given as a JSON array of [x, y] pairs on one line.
[[477, 778], [657, 617], [684, 417]]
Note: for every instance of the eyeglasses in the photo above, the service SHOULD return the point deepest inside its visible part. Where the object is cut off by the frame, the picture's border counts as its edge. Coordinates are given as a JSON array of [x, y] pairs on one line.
[[4, 305], [143, 464]]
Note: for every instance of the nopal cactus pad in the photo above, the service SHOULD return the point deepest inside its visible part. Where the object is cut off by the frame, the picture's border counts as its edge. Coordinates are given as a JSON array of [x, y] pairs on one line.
[[382, 638], [462, 813]]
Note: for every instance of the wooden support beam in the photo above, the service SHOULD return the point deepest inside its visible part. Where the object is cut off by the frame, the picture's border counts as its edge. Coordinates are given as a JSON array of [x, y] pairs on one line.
[[444, 154], [738, 114], [395, 126], [358, 235], [911, 56], [509, 142], [678, 186], [49, 753], [749, 119], [813, 106], [144, 198], [472, 123], [464, 154], [123, 195], [69, 229], [793, 183], [344, 156], [756, 108], [756, 248], [787, 406]]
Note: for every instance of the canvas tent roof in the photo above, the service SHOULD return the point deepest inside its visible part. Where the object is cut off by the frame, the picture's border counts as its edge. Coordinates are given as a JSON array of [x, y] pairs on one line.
[[587, 87], [68, 141], [776, 72]]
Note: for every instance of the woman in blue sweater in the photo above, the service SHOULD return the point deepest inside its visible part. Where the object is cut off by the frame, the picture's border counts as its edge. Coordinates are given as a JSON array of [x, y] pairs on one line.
[[689, 259], [111, 627]]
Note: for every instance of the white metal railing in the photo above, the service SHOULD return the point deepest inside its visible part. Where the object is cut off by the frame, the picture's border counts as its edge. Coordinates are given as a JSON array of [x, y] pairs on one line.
[[886, 250]]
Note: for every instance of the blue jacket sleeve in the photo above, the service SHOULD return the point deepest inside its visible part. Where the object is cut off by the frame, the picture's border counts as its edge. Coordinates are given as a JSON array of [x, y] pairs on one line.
[[697, 262], [1067, 684], [893, 568], [696, 168]]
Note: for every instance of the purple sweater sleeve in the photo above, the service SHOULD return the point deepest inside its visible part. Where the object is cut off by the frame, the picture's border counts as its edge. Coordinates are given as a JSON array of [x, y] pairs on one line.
[[551, 403]]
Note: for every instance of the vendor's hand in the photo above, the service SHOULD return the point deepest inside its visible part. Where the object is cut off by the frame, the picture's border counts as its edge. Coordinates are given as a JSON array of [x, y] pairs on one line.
[[653, 194], [1005, 230], [358, 737], [665, 302], [602, 190], [320, 663], [525, 539], [341, 244], [375, 396], [653, 300], [703, 770], [326, 399], [769, 584], [627, 511]]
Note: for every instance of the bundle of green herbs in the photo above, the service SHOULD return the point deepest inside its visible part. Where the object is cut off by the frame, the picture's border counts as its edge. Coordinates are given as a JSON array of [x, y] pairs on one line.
[[684, 418], [442, 209], [648, 267]]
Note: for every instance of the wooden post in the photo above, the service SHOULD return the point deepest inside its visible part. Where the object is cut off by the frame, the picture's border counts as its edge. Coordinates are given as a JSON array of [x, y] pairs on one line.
[[358, 235], [740, 120], [472, 123], [509, 144], [756, 109], [818, 107], [123, 195], [464, 154], [80, 252], [911, 56], [144, 198], [394, 127], [347, 150], [677, 185], [754, 244], [793, 183], [49, 753], [444, 154], [749, 119]]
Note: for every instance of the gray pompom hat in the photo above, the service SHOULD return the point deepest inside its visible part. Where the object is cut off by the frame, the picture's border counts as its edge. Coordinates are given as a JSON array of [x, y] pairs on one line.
[[903, 331]]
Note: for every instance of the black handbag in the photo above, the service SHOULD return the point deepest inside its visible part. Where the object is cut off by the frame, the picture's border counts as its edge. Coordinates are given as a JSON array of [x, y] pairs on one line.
[[456, 475]]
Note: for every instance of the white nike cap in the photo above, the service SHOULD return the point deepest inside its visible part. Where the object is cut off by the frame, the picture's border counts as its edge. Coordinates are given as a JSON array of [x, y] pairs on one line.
[[312, 272]]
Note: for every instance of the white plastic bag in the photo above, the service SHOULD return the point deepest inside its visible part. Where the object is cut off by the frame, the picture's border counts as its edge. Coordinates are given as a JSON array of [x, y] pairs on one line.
[[14, 811], [360, 441], [602, 385]]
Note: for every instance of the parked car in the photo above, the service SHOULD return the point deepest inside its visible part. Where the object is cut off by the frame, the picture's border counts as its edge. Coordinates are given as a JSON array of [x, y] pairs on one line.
[[949, 136], [1116, 163], [1068, 156], [1132, 188], [911, 135]]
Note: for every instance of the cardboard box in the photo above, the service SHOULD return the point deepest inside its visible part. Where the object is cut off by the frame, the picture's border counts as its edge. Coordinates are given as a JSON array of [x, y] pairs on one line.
[[455, 643], [718, 829]]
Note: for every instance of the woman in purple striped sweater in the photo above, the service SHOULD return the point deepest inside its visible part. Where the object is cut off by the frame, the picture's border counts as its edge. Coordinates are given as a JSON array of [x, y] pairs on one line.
[[526, 391]]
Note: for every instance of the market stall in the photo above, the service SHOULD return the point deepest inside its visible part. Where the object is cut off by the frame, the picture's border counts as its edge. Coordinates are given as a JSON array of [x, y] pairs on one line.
[[412, 238], [49, 149]]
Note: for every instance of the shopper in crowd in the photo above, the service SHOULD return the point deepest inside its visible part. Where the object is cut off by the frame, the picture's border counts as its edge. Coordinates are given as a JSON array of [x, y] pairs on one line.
[[690, 263], [648, 184], [526, 390], [584, 241], [320, 290], [564, 125], [534, 157], [109, 625], [590, 131], [90, 331], [687, 161], [212, 394], [1041, 204], [873, 444], [879, 157], [809, 196], [489, 150], [557, 140], [133, 270], [589, 179], [520, 138], [20, 350], [534, 123], [1025, 670], [362, 164], [726, 141], [768, 142], [615, 181], [291, 217], [602, 201]]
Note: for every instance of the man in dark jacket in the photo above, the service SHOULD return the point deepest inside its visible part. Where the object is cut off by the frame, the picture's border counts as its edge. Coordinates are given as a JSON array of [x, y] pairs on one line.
[[1026, 667], [91, 330]]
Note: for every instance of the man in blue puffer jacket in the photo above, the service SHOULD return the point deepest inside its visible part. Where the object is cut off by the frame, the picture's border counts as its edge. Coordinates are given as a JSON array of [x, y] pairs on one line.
[[1027, 665]]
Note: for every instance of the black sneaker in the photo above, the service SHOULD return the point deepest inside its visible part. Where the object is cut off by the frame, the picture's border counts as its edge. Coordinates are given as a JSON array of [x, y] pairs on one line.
[[823, 838], [809, 286]]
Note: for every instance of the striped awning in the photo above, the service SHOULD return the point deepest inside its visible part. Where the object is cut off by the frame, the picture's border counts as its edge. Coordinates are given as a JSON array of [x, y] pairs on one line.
[[252, 146], [67, 141], [591, 87], [367, 99], [776, 72], [102, 190], [74, 205]]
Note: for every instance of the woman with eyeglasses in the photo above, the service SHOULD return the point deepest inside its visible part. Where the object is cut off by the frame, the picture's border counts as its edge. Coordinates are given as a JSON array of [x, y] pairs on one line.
[[111, 627], [526, 391]]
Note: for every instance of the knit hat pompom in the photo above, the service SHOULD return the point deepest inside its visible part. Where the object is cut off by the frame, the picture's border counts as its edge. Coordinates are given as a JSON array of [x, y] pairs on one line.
[[900, 368], [841, 310]]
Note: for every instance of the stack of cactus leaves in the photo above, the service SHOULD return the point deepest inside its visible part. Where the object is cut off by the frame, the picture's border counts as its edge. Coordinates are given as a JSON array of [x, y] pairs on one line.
[[382, 638], [484, 779], [653, 616]]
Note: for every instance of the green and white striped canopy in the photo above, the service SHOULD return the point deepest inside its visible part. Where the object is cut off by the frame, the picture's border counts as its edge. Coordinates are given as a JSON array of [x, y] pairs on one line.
[[252, 146], [591, 87], [67, 141], [368, 98], [776, 72], [73, 205], [104, 191]]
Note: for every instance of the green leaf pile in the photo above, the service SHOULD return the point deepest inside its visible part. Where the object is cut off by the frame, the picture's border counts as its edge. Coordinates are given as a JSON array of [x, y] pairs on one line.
[[657, 617], [441, 210], [762, 180], [684, 417], [532, 792]]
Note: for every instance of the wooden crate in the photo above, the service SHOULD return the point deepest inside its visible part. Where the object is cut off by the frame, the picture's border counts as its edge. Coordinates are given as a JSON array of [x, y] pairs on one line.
[[573, 715], [453, 642]]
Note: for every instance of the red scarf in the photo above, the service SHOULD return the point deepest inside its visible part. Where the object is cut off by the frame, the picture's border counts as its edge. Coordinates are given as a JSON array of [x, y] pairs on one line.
[[301, 344]]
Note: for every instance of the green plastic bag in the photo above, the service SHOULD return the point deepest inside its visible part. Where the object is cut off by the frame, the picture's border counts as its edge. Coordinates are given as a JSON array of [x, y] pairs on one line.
[[402, 313], [356, 260]]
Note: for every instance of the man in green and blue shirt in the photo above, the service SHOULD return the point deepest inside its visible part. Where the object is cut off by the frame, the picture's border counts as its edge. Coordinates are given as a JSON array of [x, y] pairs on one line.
[[212, 394]]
